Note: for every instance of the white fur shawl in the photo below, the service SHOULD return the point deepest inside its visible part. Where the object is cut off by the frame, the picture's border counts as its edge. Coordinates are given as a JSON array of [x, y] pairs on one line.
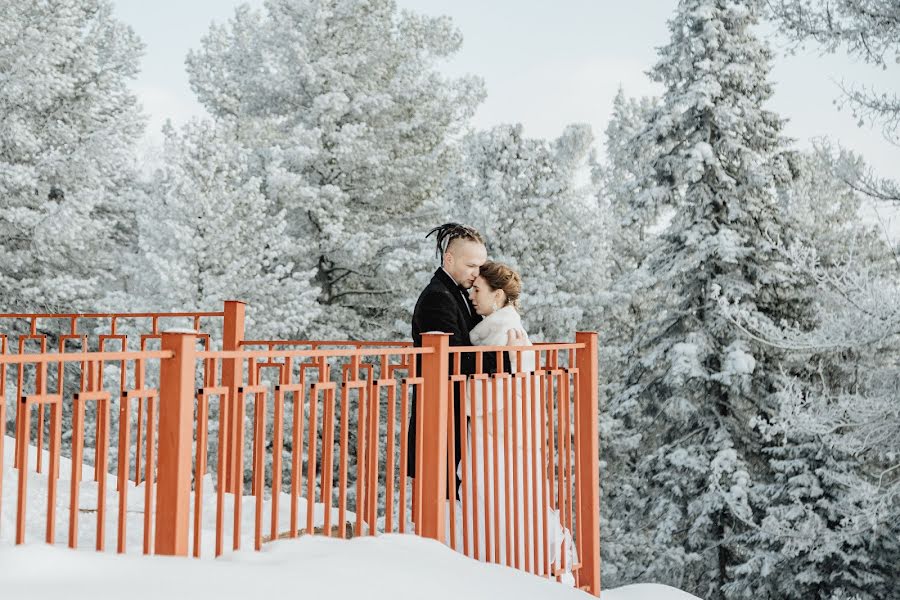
[[493, 331]]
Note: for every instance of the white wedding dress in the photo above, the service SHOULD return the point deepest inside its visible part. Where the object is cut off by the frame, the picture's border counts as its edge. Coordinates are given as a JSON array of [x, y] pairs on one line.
[[521, 501]]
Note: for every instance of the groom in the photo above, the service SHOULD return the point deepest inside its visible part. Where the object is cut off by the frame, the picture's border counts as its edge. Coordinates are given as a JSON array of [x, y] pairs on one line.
[[444, 306]]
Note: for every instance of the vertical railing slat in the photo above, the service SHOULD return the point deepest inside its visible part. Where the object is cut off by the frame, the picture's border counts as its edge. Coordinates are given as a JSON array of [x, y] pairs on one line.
[[589, 476], [176, 415], [433, 408]]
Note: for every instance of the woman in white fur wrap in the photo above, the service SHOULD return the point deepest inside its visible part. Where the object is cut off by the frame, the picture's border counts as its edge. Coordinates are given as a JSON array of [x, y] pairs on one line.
[[527, 509]]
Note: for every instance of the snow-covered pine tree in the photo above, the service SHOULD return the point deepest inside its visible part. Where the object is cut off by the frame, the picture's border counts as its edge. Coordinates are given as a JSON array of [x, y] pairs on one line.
[[828, 210], [209, 234], [812, 543], [828, 527], [67, 136], [634, 212], [632, 226], [68, 127], [350, 122], [695, 381], [525, 196]]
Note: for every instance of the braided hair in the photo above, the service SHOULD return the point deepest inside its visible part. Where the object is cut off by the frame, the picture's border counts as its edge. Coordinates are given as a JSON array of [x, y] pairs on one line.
[[446, 233]]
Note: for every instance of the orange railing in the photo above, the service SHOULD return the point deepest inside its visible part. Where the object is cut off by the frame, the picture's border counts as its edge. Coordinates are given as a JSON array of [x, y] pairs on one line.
[[529, 470], [311, 437], [99, 330], [79, 374]]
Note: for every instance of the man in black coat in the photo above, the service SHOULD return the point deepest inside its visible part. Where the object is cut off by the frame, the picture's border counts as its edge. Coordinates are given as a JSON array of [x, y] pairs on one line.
[[444, 306]]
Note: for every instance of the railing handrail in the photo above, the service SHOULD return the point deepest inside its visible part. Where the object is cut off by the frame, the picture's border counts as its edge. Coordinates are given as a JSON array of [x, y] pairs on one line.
[[544, 347], [358, 343], [137, 315], [113, 318], [211, 354], [58, 357], [53, 356]]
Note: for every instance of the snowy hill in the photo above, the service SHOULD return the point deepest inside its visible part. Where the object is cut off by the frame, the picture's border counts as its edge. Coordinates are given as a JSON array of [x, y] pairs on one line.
[[391, 567], [387, 567]]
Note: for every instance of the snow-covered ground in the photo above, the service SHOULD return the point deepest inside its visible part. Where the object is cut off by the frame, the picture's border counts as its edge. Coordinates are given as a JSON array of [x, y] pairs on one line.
[[388, 567], [88, 492]]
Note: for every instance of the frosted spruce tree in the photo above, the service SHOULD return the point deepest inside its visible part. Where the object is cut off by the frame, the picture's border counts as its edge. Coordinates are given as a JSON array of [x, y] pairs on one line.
[[827, 209], [524, 196], [209, 234], [349, 124], [634, 205], [694, 382], [828, 528], [821, 536], [68, 128]]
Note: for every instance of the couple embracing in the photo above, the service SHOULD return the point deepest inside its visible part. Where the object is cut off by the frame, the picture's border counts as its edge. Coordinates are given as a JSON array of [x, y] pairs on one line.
[[476, 301]]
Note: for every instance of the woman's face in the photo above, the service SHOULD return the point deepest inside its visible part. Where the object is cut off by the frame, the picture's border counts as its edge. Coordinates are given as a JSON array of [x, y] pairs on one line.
[[483, 297]]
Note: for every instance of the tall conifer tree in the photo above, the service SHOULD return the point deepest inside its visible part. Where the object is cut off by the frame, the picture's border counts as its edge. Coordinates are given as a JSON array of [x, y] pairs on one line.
[[350, 123], [695, 383], [68, 126]]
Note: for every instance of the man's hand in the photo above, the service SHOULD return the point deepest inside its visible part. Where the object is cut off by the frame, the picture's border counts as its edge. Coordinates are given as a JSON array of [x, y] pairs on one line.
[[516, 337]]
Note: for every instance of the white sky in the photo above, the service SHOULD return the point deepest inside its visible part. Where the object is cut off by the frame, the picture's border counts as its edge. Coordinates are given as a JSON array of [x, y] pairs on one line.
[[546, 64]]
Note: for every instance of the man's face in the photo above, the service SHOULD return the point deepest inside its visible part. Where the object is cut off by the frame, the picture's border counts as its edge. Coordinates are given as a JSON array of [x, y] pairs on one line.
[[463, 259]]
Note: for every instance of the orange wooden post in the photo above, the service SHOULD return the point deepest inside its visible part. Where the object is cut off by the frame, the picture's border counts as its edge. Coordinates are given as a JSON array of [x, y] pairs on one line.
[[232, 336], [176, 419], [588, 449], [434, 405]]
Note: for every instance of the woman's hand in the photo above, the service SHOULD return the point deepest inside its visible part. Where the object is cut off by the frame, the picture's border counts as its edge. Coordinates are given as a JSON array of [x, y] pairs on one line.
[[516, 337]]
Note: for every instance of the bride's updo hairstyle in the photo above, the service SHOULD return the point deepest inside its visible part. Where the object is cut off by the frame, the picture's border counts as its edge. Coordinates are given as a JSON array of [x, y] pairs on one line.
[[501, 277]]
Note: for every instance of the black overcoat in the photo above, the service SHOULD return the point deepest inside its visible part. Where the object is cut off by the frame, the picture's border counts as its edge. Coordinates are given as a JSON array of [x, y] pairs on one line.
[[443, 306]]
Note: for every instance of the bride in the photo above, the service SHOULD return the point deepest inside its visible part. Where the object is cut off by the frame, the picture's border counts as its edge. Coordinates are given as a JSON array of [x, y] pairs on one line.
[[503, 477]]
